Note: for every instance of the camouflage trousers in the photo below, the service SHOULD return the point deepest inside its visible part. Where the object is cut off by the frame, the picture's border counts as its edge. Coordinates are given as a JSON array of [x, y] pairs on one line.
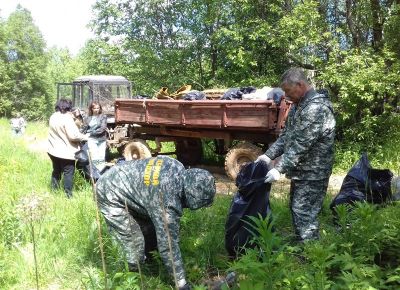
[[135, 234], [306, 198]]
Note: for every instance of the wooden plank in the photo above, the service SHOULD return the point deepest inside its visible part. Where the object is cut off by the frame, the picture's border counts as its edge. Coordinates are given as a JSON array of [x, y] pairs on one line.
[[206, 114], [203, 115]]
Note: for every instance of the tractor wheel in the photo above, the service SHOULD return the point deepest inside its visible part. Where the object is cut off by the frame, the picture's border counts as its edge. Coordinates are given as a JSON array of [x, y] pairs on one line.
[[238, 155], [136, 149], [189, 151]]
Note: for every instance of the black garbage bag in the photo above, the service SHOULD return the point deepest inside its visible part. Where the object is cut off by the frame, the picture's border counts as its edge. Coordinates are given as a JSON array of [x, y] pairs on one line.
[[364, 183], [232, 94], [252, 199], [237, 93], [248, 90], [82, 164], [82, 157], [277, 95], [194, 95]]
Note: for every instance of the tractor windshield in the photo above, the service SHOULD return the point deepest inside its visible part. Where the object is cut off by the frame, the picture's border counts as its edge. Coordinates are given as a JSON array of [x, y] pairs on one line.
[[103, 89]]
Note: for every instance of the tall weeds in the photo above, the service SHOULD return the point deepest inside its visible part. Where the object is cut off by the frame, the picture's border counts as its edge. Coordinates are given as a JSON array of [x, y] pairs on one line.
[[363, 254], [32, 210]]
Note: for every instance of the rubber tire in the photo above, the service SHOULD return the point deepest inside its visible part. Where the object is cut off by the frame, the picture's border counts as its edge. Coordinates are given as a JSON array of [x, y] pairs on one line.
[[136, 149], [238, 155], [189, 151]]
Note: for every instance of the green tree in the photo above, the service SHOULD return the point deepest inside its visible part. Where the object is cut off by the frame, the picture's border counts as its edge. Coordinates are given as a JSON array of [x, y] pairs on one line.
[[350, 47], [392, 29], [100, 57], [63, 67], [151, 39], [361, 70], [367, 93], [25, 88], [175, 42], [5, 104]]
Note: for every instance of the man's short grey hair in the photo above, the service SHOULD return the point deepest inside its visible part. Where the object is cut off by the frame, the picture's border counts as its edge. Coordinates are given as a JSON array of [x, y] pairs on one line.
[[293, 76]]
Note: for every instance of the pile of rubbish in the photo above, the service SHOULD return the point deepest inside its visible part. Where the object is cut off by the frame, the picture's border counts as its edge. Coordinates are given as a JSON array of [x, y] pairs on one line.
[[251, 93], [243, 93]]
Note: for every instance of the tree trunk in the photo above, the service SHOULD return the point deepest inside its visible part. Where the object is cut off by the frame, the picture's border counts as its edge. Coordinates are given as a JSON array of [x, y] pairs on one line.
[[377, 25], [350, 24]]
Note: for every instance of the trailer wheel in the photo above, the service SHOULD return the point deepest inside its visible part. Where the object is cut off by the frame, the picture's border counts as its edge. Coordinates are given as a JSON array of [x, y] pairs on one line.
[[238, 156], [189, 151], [136, 149]]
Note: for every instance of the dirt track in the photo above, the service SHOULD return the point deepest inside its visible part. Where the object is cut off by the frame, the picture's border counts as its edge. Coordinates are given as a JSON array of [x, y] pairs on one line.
[[224, 184]]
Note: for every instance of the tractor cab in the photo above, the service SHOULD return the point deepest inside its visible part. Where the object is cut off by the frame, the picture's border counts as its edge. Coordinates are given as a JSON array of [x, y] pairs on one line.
[[101, 88]]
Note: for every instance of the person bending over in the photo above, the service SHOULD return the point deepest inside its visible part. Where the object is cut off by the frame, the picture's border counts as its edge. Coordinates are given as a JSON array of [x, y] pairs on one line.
[[142, 202]]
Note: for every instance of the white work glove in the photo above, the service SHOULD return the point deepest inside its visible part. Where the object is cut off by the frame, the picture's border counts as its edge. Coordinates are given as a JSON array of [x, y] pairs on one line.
[[264, 158], [272, 176]]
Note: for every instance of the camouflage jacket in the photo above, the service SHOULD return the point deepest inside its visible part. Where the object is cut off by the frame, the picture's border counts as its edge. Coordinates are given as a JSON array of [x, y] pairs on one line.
[[153, 189], [307, 141]]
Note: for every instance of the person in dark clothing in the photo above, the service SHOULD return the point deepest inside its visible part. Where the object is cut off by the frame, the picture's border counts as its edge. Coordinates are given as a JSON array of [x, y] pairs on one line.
[[95, 128]]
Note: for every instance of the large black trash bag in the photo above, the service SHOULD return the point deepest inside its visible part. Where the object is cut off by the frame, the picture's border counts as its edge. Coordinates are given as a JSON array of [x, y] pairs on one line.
[[194, 95], [364, 183], [248, 90], [82, 164], [232, 94], [252, 199], [237, 93]]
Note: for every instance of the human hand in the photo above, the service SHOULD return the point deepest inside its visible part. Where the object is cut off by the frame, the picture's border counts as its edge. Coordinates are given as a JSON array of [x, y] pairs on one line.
[[272, 176], [264, 158]]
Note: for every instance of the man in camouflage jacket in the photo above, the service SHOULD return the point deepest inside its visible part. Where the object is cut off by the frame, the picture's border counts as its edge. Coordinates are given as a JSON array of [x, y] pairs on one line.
[[306, 145], [142, 202]]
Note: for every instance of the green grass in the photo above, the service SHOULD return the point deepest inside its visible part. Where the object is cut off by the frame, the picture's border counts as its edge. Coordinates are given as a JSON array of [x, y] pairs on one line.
[[382, 154], [365, 256]]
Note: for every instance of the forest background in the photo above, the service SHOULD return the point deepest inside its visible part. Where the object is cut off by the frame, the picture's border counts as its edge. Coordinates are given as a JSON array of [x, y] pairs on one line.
[[351, 48]]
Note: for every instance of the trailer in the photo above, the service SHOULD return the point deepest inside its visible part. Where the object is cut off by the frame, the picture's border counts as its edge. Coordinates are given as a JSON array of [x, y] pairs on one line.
[[241, 130]]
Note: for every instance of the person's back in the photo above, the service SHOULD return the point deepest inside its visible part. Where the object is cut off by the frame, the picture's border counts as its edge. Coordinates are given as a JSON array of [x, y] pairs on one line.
[[142, 202], [62, 143], [64, 136], [143, 182]]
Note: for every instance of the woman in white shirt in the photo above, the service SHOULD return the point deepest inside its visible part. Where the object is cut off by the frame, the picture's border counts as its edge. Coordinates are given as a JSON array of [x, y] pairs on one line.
[[63, 142]]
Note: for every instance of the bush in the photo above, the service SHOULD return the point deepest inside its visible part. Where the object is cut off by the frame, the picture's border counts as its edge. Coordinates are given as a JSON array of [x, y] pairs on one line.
[[365, 94]]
